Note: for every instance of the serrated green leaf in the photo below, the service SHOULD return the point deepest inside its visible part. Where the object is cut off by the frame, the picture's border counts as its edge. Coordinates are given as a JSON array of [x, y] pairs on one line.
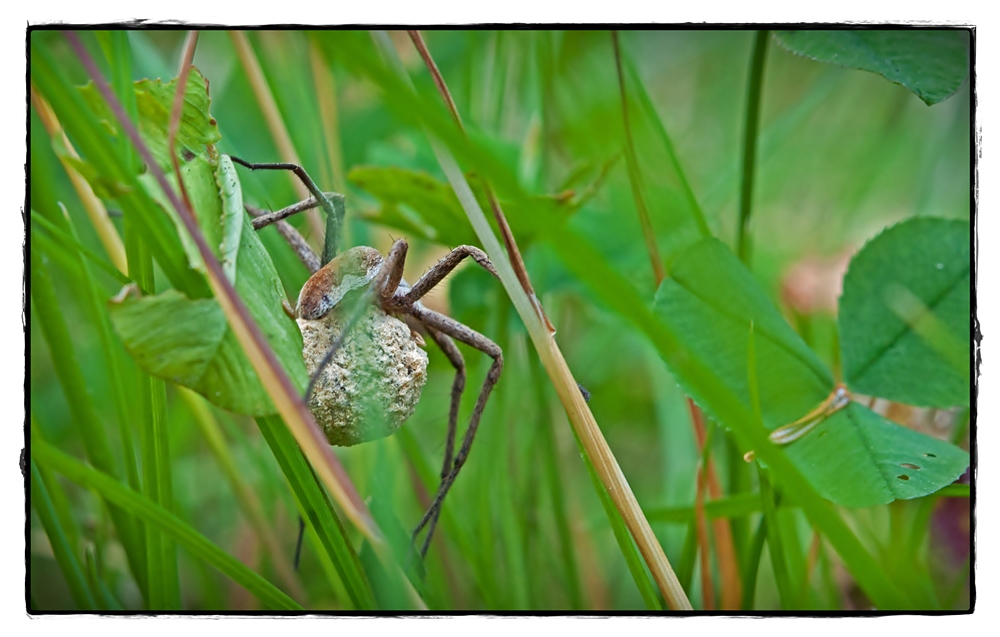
[[905, 316], [711, 299], [931, 63], [154, 99], [857, 458]]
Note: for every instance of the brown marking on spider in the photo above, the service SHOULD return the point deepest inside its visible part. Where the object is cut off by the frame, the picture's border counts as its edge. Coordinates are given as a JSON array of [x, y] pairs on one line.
[[358, 358]]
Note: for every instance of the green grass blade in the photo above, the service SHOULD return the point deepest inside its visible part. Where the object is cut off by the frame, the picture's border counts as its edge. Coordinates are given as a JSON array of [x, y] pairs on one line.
[[751, 122], [775, 545], [155, 515], [557, 501], [69, 244], [317, 510], [61, 548], [751, 564], [48, 312], [107, 599], [633, 560], [661, 131], [733, 506]]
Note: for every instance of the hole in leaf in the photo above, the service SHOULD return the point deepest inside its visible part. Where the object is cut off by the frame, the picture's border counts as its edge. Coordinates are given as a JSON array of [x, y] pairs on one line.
[[903, 477], [929, 455], [907, 465]]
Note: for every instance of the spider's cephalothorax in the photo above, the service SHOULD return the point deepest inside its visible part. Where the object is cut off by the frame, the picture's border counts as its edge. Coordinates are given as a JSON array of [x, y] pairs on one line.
[[373, 382], [362, 330]]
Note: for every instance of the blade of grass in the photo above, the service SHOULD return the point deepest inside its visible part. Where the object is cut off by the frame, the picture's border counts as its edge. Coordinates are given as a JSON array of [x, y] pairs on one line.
[[107, 600], [47, 311], [114, 357], [247, 500], [272, 115], [584, 424], [776, 547], [751, 122], [733, 506], [94, 207], [668, 144], [634, 176], [156, 516], [556, 497], [701, 526], [723, 536], [65, 556], [752, 563], [316, 510], [68, 245], [163, 577], [725, 550]]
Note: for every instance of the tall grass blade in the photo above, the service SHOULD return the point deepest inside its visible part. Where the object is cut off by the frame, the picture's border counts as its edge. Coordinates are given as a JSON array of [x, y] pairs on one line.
[[156, 516]]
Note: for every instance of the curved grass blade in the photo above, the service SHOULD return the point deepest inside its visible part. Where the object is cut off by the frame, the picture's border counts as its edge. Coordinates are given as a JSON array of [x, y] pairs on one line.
[[65, 556], [165, 522]]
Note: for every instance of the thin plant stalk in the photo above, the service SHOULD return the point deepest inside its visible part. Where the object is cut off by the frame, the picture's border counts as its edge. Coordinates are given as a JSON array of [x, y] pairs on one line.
[[750, 125], [579, 413], [94, 207], [246, 498], [725, 549], [634, 174]]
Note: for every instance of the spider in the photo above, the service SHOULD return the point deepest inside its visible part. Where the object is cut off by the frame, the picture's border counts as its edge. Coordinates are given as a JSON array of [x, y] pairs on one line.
[[394, 314]]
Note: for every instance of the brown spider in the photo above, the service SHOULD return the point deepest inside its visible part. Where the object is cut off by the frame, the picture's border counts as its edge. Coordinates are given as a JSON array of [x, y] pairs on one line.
[[381, 298]]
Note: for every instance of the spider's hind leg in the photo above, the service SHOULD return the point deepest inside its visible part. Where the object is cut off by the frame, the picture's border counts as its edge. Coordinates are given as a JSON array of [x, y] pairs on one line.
[[452, 328], [447, 345]]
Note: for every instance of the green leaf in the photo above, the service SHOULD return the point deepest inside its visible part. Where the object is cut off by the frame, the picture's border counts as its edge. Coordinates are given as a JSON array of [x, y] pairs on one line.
[[904, 314], [854, 457], [863, 459], [189, 342], [931, 63], [154, 99]]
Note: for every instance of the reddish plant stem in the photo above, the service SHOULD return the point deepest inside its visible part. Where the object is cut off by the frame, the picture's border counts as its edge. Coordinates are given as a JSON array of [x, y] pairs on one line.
[[725, 548], [513, 253]]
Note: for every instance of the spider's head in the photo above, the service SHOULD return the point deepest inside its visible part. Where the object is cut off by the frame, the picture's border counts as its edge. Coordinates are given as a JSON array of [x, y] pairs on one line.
[[348, 272]]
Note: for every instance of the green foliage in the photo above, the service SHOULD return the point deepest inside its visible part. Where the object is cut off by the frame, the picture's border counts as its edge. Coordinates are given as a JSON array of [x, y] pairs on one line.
[[188, 341], [853, 457], [931, 63], [904, 314]]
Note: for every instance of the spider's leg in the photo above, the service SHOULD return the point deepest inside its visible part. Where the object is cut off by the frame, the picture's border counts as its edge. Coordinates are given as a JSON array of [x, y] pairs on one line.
[[457, 387], [387, 280], [457, 331], [291, 236], [332, 206], [441, 269]]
